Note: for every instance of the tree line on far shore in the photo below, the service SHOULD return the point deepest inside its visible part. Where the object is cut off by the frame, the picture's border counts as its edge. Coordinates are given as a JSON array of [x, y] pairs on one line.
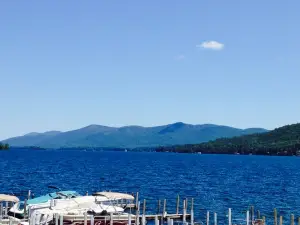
[[281, 141], [4, 146]]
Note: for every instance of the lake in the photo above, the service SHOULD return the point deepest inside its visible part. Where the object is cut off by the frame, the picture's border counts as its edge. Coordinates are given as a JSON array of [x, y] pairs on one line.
[[217, 182]]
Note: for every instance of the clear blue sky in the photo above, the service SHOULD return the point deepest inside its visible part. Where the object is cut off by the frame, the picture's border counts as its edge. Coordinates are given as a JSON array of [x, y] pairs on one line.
[[68, 64]]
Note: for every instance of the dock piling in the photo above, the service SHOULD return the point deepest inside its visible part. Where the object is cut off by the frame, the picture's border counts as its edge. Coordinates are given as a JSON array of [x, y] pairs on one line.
[[137, 216], [184, 211], [92, 220], [280, 220], [112, 219], [264, 220], [61, 220], [144, 206], [215, 219], [298, 220], [136, 200], [252, 214], [164, 207], [168, 221], [56, 219], [143, 219], [292, 219], [192, 216], [186, 203], [156, 221], [229, 216], [207, 218], [5, 210], [275, 216], [258, 214], [247, 218], [177, 205], [129, 218], [29, 194], [85, 218], [10, 221], [158, 206], [25, 206], [1, 210]]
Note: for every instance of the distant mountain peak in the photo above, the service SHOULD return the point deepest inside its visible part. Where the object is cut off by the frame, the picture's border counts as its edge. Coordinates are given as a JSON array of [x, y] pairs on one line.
[[173, 127]]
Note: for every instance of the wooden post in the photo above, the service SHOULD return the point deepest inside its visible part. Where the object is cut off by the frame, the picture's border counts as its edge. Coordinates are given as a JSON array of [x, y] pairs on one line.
[[184, 212], [87, 193], [247, 218], [298, 220], [10, 221], [61, 220], [280, 220], [158, 206], [85, 218], [292, 219], [56, 219], [252, 214], [229, 216], [264, 220], [215, 219], [275, 217], [258, 214], [143, 219], [92, 220], [144, 207], [136, 200], [207, 218], [172, 221], [177, 205]]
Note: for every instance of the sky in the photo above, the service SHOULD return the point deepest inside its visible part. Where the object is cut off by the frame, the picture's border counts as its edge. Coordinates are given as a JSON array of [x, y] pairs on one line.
[[67, 64]]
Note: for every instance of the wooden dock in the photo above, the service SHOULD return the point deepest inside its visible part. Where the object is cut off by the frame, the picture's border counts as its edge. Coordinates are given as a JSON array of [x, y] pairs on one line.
[[139, 214], [168, 216]]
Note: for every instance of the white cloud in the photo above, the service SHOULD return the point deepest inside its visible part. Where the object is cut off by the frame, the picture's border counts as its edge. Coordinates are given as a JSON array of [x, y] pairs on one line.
[[180, 57], [213, 45]]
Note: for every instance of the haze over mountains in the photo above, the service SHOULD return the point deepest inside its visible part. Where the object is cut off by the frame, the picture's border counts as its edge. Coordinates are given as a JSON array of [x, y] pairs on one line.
[[130, 136]]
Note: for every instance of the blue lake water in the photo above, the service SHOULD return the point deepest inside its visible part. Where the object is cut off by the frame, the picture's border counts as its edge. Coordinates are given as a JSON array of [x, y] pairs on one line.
[[217, 182]]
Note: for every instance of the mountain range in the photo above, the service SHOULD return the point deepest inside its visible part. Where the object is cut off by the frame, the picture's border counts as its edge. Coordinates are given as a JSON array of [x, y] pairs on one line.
[[130, 136]]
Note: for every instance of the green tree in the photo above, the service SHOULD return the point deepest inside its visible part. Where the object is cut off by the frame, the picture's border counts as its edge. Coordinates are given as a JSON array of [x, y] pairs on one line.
[[1, 146], [6, 146]]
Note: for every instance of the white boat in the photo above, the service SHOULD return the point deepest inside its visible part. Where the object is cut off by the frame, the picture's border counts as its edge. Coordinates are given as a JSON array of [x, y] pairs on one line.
[[6, 202], [101, 206]]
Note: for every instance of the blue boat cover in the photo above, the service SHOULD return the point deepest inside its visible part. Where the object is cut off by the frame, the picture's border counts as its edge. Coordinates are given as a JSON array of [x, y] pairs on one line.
[[54, 195]]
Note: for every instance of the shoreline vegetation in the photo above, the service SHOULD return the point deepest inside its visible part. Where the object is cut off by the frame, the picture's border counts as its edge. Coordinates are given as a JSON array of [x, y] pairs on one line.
[[4, 146]]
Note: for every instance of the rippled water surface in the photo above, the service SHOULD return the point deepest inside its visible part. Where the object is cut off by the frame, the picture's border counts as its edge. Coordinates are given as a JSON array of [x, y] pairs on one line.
[[215, 181]]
